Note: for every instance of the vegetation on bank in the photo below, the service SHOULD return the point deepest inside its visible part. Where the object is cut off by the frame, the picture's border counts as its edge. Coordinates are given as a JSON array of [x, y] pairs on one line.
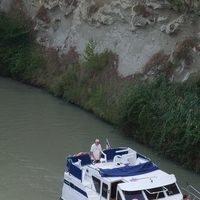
[[166, 117], [160, 114], [17, 58]]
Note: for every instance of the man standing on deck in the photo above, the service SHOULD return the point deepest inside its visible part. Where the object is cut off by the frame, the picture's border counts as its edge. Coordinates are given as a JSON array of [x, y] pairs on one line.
[[95, 151]]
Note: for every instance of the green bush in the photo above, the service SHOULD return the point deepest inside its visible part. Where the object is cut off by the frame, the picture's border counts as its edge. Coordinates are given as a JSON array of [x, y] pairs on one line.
[[95, 61], [16, 58], [165, 116]]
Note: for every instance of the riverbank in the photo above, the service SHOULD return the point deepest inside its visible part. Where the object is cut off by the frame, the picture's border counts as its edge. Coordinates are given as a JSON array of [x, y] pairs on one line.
[[149, 106]]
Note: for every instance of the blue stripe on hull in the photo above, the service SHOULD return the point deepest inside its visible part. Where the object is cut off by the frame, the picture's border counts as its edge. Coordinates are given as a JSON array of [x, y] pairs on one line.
[[75, 188]]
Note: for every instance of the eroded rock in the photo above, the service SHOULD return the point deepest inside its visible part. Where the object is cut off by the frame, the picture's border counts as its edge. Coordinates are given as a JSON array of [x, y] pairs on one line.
[[49, 4], [173, 27], [68, 6], [44, 41], [134, 49], [55, 23]]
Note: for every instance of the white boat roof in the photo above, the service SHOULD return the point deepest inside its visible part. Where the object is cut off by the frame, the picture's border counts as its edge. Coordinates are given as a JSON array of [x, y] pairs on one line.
[[148, 183], [139, 179], [154, 174]]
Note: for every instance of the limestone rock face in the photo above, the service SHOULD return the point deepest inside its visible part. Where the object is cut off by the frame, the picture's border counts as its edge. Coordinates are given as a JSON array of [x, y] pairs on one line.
[[44, 41], [55, 23], [42, 19], [67, 7], [49, 4], [136, 30], [172, 27]]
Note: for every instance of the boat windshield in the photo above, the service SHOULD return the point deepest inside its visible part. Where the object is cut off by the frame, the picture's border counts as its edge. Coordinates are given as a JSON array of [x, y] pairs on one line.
[[154, 193], [129, 195], [161, 192]]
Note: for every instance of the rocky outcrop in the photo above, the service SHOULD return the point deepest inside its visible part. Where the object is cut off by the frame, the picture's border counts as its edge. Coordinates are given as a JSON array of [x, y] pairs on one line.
[[173, 27], [49, 4], [136, 30]]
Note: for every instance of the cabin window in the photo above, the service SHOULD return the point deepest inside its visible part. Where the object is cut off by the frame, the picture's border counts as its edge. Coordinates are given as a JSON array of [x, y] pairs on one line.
[[129, 195], [155, 193], [104, 190], [172, 189], [97, 184]]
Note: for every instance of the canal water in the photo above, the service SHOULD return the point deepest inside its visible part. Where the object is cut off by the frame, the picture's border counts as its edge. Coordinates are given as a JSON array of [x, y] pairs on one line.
[[38, 131]]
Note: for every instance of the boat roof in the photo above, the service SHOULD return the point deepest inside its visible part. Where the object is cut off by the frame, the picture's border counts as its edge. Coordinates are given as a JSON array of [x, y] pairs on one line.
[[112, 169], [154, 174], [148, 183]]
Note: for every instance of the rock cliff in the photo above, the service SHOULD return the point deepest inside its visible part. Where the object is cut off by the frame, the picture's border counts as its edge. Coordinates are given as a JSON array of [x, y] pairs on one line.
[[144, 33]]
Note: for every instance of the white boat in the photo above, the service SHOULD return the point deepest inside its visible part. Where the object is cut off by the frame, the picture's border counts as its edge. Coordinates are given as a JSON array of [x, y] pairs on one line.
[[122, 174]]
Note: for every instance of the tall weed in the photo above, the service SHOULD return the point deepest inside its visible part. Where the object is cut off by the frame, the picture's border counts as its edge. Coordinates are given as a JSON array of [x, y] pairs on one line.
[[165, 116]]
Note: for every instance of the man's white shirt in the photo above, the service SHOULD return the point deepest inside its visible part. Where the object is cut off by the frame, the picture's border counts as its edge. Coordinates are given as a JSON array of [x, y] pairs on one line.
[[96, 149]]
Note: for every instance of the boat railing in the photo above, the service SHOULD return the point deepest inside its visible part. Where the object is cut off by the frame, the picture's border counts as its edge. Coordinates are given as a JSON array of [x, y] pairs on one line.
[[111, 153], [142, 156], [192, 191], [85, 159], [126, 158], [123, 149], [104, 159]]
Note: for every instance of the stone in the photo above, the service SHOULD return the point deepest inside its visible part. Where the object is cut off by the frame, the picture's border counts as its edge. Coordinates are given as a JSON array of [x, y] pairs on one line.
[[161, 19], [125, 4], [44, 41], [49, 4], [55, 23], [68, 7], [172, 27]]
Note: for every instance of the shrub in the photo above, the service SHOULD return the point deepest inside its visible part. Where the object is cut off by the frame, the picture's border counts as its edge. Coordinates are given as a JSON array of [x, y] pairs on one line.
[[165, 116], [95, 61], [15, 49]]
